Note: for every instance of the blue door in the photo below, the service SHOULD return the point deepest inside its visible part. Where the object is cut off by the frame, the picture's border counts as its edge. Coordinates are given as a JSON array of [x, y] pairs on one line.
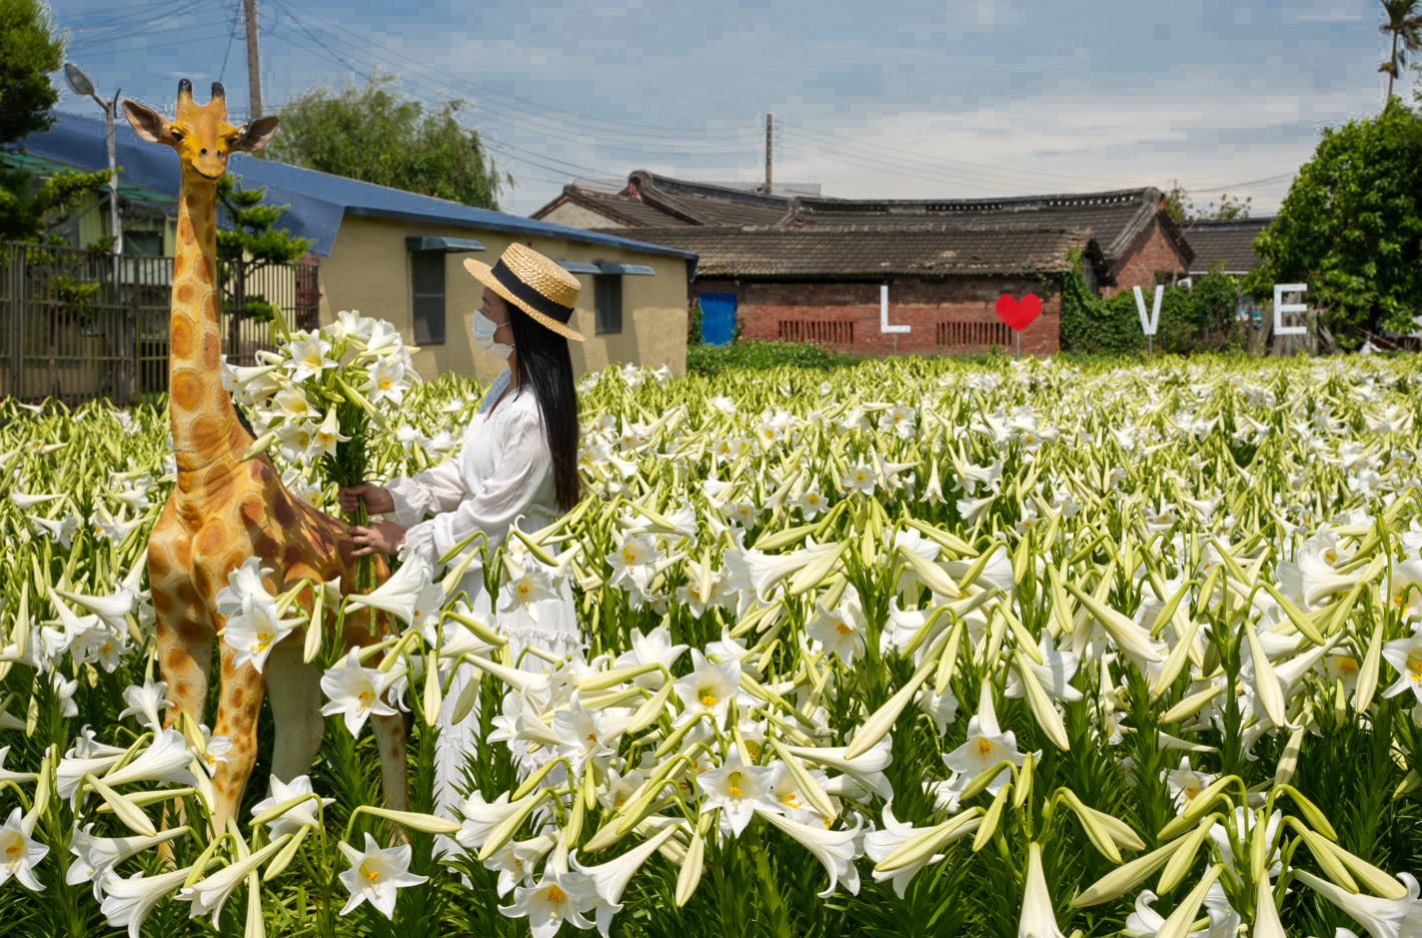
[[718, 318]]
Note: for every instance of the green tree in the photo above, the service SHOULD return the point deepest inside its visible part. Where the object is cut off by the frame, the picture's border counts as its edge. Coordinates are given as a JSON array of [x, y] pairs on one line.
[[29, 52], [253, 242], [1404, 24], [378, 135], [35, 209], [1351, 227], [1184, 209]]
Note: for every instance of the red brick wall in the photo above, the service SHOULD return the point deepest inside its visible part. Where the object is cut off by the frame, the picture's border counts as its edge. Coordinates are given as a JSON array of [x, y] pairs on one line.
[[953, 316], [1152, 253]]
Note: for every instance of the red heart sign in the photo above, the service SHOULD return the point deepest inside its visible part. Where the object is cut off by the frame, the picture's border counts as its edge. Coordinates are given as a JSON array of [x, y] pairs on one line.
[[1019, 314]]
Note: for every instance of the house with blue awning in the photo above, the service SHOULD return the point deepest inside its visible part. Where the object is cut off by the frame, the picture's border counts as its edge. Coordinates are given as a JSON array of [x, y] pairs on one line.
[[397, 255]]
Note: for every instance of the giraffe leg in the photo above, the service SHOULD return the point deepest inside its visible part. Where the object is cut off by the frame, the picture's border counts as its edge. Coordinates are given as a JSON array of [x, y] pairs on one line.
[[185, 662], [295, 689], [237, 713]]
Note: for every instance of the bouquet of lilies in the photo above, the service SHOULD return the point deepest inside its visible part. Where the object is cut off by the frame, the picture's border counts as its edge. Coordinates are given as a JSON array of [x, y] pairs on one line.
[[317, 397]]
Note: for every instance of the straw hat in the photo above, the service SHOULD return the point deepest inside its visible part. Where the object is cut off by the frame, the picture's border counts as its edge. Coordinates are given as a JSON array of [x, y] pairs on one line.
[[534, 283]]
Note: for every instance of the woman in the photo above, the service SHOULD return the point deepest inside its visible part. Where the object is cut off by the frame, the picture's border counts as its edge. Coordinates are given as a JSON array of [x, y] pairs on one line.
[[519, 461]]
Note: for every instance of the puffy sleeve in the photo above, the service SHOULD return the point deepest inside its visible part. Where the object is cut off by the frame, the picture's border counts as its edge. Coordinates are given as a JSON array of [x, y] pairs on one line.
[[524, 462], [437, 489]]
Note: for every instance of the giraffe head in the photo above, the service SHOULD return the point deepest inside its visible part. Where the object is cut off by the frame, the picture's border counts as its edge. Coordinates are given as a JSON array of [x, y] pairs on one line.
[[200, 132]]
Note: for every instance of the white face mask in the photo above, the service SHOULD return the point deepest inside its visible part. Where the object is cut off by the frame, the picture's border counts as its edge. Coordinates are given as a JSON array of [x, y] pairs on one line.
[[484, 329]]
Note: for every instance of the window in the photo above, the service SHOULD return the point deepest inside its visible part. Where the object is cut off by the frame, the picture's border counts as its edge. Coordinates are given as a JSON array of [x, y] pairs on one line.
[[143, 243], [427, 281], [607, 293]]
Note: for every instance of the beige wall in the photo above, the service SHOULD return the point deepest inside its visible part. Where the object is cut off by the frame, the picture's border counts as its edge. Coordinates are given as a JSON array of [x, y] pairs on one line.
[[369, 270], [575, 216]]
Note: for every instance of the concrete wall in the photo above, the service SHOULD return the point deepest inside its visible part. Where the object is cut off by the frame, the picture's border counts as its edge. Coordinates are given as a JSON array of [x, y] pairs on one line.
[[950, 316], [576, 216], [1152, 253], [369, 270]]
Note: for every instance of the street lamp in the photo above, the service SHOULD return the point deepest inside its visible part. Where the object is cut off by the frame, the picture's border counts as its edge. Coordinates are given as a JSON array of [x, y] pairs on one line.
[[81, 85]]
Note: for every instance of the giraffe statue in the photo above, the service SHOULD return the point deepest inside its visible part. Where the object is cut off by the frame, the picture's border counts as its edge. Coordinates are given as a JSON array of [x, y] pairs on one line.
[[224, 510]]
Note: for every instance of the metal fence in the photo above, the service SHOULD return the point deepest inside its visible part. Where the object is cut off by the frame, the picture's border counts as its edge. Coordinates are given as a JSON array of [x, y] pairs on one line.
[[78, 324]]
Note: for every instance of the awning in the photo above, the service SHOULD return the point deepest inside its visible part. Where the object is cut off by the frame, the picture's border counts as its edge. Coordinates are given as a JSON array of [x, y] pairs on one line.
[[448, 245], [606, 267]]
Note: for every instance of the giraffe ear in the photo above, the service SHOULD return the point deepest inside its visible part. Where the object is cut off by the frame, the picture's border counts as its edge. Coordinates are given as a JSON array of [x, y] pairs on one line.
[[257, 134], [147, 123]]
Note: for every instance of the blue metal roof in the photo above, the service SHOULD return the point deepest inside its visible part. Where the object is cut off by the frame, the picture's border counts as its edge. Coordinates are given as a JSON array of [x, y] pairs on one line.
[[319, 201]]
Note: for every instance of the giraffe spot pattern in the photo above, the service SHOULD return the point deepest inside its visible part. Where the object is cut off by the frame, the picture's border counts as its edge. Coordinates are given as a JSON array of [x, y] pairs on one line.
[[180, 340], [187, 387]]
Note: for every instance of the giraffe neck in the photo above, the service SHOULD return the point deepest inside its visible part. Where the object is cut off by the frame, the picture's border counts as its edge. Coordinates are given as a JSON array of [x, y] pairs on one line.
[[204, 422]]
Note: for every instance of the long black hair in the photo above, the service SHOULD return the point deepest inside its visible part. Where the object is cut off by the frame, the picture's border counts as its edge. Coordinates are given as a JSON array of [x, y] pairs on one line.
[[544, 363]]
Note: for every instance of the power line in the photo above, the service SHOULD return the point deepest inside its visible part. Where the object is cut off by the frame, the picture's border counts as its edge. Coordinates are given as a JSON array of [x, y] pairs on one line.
[[522, 122], [231, 36], [946, 167], [540, 112], [1238, 185], [510, 150], [125, 17], [143, 27]]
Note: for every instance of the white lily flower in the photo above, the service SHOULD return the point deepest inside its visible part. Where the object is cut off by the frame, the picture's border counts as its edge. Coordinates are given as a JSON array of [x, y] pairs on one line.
[[357, 692], [1054, 673], [296, 817], [128, 901], [244, 588], [985, 746], [167, 759], [401, 594], [1380, 918], [94, 856], [210, 893], [18, 852], [560, 896], [738, 790], [481, 817], [254, 633], [611, 878], [836, 850], [376, 874], [709, 688], [894, 834]]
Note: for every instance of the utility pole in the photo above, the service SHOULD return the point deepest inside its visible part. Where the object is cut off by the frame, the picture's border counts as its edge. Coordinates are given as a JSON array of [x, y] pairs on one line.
[[769, 147], [254, 70]]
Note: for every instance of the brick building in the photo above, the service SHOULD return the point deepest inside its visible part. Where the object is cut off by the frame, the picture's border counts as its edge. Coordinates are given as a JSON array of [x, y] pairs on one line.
[[803, 267], [839, 286]]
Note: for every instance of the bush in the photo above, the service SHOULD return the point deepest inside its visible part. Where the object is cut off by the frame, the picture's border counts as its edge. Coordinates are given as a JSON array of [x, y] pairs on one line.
[[713, 359], [693, 332], [1191, 320]]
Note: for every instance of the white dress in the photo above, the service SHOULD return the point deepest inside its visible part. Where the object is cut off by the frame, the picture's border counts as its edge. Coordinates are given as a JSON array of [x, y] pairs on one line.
[[503, 474]]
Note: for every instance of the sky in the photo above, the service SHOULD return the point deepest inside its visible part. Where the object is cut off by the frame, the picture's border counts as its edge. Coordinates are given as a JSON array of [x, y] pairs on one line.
[[886, 99]]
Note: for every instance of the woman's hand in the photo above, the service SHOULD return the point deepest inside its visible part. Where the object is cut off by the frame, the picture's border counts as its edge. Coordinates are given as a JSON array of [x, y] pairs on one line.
[[381, 536], [377, 500]]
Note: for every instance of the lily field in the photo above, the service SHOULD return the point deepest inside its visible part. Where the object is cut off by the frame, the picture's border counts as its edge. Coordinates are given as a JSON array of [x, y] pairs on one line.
[[913, 647]]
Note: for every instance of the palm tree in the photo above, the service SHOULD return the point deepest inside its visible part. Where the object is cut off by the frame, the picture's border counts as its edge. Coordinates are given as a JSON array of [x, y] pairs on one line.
[[1404, 22]]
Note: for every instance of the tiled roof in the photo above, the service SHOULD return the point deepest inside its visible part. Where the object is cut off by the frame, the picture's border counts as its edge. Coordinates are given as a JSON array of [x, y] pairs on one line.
[[1231, 242], [627, 209], [859, 251], [1114, 218]]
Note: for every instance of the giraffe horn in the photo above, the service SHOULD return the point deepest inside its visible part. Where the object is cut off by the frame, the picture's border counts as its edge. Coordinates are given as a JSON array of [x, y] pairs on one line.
[[185, 90], [218, 91]]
